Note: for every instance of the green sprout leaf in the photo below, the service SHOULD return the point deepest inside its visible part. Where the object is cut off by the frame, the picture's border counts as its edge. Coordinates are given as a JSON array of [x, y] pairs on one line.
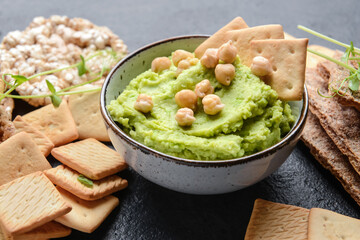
[[81, 67], [85, 181], [19, 79], [354, 83], [55, 99], [349, 51]]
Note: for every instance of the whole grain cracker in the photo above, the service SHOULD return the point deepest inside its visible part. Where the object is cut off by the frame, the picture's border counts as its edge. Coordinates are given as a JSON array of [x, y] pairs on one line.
[[328, 225], [288, 61], [57, 42], [67, 179], [19, 156], [29, 202], [329, 156], [86, 216], [275, 221], [56, 123], [43, 142], [219, 38], [312, 60], [242, 39], [85, 109], [91, 158], [48, 230]]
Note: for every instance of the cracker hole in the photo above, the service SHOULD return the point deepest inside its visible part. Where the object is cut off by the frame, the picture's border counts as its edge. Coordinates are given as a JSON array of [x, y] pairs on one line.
[[85, 215], [268, 35], [274, 68], [292, 51], [325, 218], [259, 50], [289, 86]]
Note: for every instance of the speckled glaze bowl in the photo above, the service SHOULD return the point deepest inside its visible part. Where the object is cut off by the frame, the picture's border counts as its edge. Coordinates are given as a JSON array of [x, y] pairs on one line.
[[184, 175]]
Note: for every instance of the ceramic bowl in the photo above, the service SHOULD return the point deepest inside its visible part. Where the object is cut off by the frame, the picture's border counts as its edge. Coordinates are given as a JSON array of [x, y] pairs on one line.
[[184, 175]]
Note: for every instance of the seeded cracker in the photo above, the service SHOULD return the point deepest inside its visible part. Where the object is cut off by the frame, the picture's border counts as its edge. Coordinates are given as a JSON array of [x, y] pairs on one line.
[[91, 158], [19, 156], [29, 202], [288, 60], [328, 225], [86, 216], [66, 178], [275, 221], [85, 109], [56, 123], [57, 42], [219, 38], [43, 142]]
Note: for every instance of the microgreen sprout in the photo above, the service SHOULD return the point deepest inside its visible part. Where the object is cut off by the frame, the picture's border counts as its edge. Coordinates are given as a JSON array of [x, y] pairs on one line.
[[350, 54]]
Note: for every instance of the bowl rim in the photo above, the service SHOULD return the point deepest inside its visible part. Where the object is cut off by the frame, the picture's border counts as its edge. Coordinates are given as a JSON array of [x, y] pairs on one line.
[[296, 129]]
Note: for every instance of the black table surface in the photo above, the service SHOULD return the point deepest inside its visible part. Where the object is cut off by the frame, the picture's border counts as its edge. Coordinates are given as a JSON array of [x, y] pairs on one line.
[[148, 211]]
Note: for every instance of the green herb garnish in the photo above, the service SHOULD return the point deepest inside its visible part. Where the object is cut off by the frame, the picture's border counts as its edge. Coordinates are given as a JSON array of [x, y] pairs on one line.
[[350, 53], [81, 66], [85, 181]]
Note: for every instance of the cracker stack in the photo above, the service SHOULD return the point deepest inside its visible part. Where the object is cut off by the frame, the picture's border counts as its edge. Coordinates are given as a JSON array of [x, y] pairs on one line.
[[275, 221]]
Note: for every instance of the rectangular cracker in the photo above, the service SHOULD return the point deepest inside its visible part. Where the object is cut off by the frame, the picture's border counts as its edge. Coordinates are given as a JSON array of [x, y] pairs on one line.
[[56, 123], [242, 39], [288, 62], [43, 142], [29, 202], [48, 230], [325, 224], [329, 156], [67, 179], [91, 158], [85, 109], [19, 156], [275, 221], [219, 38], [86, 216]]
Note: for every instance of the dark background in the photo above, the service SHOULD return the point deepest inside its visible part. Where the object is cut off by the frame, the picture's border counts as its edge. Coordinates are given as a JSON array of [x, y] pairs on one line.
[[148, 211]]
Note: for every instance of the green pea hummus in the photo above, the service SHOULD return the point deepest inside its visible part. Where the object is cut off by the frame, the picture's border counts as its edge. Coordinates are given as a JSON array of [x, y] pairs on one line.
[[252, 120]]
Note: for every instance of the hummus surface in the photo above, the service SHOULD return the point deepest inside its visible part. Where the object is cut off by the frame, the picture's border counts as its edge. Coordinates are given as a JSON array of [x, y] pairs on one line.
[[252, 120]]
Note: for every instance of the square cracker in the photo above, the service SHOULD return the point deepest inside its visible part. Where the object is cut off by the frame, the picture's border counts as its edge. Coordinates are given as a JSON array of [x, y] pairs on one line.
[[276, 221], [219, 38], [288, 61], [48, 230], [85, 109], [86, 216], [43, 142], [325, 224], [19, 156], [67, 179], [91, 158], [243, 38], [56, 123], [29, 202]]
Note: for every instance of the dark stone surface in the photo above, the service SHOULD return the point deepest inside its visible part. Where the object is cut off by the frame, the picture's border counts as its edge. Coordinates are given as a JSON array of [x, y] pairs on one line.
[[148, 211]]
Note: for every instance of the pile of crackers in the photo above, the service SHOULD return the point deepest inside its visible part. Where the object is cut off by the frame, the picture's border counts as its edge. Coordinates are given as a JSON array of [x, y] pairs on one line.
[[276, 221], [286, 56], [30, 205], [333, 124]]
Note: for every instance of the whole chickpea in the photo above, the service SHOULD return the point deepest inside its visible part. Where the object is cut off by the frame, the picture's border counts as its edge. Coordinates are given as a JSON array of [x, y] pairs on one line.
[[160, 64], [183, 64], [210, 58], [179, 55], [185, 117], [186, 99], [144, 103], [260, 66], [203, 88], [227, 52], [225, 73], [212, 104]]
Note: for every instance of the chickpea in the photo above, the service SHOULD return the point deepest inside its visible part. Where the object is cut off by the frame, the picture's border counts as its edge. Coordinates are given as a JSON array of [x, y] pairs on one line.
[[185, 117], [186, 99], [260, 66], [144, 103], [160, 64], [212, 104], [225, 73], [193, 61], [183, 64], [227, 52], [179, 55], [203, 88], [210, 58]]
